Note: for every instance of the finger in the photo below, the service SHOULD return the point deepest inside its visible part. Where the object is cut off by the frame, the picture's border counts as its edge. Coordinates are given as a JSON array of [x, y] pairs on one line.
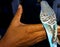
[[33, 28], [58, 29], [16, 19], [58, 34], [19, 13]]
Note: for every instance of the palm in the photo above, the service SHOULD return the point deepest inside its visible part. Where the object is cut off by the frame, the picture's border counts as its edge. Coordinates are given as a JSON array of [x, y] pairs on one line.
[[19, 34]]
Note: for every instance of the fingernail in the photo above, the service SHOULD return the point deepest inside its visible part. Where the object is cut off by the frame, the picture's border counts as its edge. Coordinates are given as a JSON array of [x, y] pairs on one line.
[[19, 6]]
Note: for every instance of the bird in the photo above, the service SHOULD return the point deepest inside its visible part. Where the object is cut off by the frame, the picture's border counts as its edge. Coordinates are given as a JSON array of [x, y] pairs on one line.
[[49, 21]]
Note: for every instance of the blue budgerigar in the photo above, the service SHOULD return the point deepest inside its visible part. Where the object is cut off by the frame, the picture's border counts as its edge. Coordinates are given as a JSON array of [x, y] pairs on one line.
[[48, 19]]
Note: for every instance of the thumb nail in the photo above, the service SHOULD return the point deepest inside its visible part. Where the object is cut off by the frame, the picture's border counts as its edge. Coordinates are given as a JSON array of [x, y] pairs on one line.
[[19, 6]]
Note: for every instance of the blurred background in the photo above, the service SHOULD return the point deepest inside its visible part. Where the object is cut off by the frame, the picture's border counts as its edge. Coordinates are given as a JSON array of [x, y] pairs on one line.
[[31, 11]]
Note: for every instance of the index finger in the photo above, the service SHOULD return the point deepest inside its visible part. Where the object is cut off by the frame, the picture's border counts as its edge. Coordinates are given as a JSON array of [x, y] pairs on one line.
[[34, 27]]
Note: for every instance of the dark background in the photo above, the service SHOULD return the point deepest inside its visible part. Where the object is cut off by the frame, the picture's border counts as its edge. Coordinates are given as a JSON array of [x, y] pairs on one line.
[[31, 11]]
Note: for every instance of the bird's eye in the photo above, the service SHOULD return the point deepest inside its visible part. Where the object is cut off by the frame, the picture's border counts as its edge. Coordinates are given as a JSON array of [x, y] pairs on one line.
[[45, 14]]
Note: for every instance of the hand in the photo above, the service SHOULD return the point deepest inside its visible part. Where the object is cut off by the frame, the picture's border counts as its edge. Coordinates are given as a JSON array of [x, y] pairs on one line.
[[19, 34], [58, 35]]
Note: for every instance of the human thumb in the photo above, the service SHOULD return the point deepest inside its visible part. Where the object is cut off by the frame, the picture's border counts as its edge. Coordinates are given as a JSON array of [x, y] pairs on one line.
[[17, 17]]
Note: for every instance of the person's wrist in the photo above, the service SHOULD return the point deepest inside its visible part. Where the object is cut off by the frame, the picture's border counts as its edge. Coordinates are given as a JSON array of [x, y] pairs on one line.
[[1, 44], [4, 44]]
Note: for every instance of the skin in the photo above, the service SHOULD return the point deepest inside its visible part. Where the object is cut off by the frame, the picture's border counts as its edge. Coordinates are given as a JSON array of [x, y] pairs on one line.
[[23, 35]]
